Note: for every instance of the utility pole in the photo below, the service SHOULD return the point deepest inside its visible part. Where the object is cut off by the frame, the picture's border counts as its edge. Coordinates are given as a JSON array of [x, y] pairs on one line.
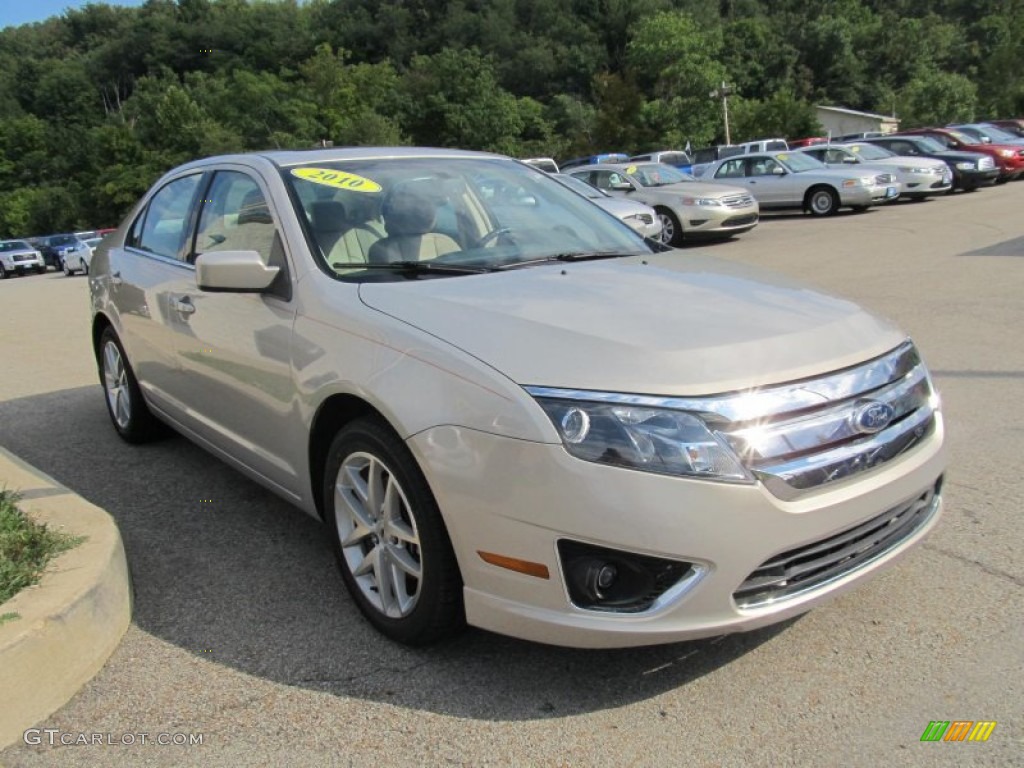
[[723, 92]]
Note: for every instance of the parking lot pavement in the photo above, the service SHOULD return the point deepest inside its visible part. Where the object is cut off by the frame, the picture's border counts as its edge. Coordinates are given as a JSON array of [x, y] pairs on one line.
[[243, 637]]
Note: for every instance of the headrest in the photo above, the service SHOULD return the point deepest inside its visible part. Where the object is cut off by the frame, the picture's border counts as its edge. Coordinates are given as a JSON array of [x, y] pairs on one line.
[[254, 209], [328, 216], [407, 214]]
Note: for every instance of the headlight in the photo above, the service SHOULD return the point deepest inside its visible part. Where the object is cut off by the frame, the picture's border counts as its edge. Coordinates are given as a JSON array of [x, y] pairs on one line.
[[656, 440], [642, 218], [1007, 152], [706, 201], [967, 166]]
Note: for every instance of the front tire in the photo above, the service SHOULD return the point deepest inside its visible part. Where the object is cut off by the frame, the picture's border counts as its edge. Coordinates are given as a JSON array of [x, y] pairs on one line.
[[3, 272], [128, 412], [822, 201], [67, 269], [389, 538], [671, 230]]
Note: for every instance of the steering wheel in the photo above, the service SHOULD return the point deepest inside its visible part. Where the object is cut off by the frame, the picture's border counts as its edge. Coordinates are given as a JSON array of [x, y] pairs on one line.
[[494, 234]]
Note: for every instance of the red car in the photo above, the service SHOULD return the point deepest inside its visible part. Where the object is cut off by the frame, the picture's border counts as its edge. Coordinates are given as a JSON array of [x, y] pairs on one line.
[[808, 142], [1009, 158]]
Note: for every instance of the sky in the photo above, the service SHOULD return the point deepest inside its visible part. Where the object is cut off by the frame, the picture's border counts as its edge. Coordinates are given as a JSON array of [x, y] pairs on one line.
[[14, 12]]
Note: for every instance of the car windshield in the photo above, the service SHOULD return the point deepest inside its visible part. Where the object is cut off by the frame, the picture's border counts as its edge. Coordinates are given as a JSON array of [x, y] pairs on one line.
[[63, 240], [998, 134], [928, 144], [798, 162], [15, 245], [871, 152], [458, 215], [657, 174], [580, 186], [963, 138]]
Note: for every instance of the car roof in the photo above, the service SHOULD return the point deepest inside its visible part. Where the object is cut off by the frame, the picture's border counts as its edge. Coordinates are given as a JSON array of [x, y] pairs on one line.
[[289, 157]]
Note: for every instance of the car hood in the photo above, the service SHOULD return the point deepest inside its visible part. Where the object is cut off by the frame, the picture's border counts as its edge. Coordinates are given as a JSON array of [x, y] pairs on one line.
[[620, 207], [698, 189], [664, 324], [905, 161]]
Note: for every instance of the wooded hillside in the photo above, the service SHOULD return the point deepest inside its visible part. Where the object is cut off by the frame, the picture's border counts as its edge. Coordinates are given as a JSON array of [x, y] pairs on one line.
[[95, 104]]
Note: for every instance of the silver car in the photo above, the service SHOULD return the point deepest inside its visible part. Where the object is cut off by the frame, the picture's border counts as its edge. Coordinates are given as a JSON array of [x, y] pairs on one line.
[[18, 258], [508, 408], [640, 217], [918, 177], [797, 180], [687, 207]]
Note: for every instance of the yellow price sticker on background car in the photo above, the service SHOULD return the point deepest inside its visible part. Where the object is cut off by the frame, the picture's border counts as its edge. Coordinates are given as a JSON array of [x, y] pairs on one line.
[[782, 157], [631, 169], [338, 179], [855, 149]]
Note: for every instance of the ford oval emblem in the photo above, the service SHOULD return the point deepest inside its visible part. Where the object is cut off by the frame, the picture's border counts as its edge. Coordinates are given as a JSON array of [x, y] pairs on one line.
[[871, 416]]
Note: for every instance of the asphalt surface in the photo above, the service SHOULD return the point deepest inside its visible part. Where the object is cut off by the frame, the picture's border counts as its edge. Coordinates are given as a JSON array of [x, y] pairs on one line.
[[243, 633]]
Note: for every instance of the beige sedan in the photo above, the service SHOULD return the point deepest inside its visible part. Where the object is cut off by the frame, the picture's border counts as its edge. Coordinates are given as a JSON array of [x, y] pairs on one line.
[[688, 208], [509, 409]]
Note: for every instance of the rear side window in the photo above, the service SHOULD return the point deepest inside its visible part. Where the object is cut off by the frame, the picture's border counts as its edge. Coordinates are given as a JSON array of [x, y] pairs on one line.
[[162, 227]]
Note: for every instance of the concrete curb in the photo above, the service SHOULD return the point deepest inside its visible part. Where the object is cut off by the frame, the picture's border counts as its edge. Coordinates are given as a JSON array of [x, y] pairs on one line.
[[71, 621]]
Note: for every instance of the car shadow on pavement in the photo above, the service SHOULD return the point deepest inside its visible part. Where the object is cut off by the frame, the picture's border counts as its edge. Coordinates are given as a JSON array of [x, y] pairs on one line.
[[224, 569]]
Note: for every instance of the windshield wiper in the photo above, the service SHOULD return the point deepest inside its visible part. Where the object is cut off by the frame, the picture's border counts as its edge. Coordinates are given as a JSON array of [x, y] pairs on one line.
[[416, 267], [570, 256]]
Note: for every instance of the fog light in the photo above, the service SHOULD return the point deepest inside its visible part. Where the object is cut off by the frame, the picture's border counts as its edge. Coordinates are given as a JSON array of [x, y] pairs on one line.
[[605, 579]]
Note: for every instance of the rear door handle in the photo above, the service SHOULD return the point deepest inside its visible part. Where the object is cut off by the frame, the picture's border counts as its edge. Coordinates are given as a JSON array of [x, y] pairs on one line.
[[184, 305]]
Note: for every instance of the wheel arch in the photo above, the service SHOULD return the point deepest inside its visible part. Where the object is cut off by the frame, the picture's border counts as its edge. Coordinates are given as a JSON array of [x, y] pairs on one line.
[[100, 323], [821, 185], [333, 413]]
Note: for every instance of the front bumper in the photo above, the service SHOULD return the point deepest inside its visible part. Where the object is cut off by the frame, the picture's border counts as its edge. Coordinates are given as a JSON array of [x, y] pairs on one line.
[[925, 184], [717, 221], [727, 531], [22, 267]]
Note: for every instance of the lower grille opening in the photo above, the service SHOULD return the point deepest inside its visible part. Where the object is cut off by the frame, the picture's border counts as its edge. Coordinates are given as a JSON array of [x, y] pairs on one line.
[[813, 565]]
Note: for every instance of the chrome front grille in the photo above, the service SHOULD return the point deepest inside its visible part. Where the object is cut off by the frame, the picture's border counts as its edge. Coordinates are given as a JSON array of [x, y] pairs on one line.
[[822, 430], [815, 565], [986, 164], [737, 201]]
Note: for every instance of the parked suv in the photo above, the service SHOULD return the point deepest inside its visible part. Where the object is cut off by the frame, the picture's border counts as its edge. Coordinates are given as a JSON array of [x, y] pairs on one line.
[[515, 412], [18, 258], [1009, 158], [971, 170]]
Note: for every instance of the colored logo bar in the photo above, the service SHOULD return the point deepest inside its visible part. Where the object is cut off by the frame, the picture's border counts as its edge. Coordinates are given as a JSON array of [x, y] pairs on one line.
[[958, 730]]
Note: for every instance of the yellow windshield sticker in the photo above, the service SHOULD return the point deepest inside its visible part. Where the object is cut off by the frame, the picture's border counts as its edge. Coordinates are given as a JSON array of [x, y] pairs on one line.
[[855, 148], [339, 179], [783, 157], [631, 169]]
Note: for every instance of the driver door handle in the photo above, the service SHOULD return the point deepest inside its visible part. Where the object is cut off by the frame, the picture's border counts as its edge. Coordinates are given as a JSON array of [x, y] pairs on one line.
[[184, 305]]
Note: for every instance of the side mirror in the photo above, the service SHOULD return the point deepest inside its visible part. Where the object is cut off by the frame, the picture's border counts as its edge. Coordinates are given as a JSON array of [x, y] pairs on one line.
[[850, 160], [623, 186], [233, 272], [777, 171]]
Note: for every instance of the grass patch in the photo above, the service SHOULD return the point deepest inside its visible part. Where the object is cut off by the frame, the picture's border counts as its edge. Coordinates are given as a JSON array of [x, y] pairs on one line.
[[5, 617], [25, 548]]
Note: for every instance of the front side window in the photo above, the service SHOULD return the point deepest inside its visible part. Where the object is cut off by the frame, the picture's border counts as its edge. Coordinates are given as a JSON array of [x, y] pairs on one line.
[[732, 169], [235, 217], [161, 228], [658, 174]]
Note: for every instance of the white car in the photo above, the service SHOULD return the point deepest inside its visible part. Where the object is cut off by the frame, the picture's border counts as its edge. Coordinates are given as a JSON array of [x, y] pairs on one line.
[[76, 257], [796, 180], [919, 177], [508, 408], [640, 217]]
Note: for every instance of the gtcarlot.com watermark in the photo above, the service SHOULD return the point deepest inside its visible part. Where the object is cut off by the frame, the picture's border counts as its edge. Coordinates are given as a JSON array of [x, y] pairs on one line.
[[55, 737]]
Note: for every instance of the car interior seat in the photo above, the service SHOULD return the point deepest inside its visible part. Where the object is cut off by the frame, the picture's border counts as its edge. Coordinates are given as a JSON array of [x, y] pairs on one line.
[[409, 221], [344, 234]]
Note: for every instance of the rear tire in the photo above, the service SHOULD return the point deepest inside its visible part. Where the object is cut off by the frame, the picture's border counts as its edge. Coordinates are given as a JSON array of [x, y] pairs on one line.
[[67, 270], [3, 272], [128, 412], [388, 536]]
